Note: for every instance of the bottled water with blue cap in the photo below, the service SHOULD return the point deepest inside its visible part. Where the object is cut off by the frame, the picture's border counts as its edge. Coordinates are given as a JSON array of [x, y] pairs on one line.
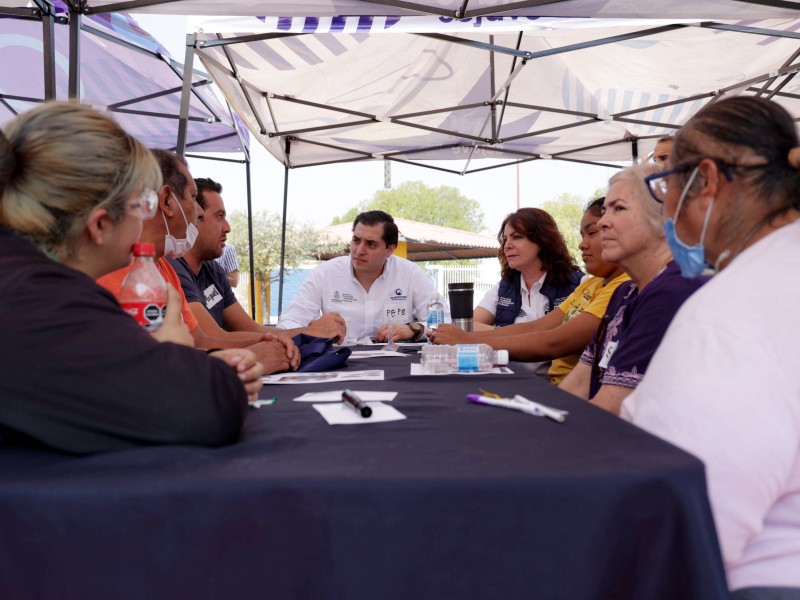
[[435, 313], [461, 358]]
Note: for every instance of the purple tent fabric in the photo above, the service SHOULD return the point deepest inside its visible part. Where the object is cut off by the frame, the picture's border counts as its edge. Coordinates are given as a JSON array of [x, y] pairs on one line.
[[123, 70]]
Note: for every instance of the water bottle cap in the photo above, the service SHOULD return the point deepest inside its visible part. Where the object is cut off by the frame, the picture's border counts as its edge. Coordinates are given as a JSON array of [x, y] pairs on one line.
[[144, 249], [501, 357]]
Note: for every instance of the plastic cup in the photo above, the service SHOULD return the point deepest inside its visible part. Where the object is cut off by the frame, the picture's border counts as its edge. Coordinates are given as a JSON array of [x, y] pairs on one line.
[[348, 332], [393, 322]]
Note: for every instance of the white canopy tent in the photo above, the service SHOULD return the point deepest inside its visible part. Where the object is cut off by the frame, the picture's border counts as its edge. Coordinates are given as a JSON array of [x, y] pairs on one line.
[[118, 67], [316, 91], [578, 87]]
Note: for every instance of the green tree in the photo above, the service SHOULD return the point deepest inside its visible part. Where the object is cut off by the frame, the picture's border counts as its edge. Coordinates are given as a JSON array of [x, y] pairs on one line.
[[567, 210], [444, 206], [302, 243]]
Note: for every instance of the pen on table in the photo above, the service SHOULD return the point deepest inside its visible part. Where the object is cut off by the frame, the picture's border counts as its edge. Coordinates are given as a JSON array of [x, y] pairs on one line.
[[530, 407], [550, 413], [504, 403], [350, 398], [265, 402]]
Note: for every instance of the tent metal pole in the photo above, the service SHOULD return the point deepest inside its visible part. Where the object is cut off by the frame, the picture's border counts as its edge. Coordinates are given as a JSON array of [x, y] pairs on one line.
[[508, 89], [188, 71], [283, 224], [73, 90], [49, 55], [125, 6], [787, 79], [492, 87], [250, 239]]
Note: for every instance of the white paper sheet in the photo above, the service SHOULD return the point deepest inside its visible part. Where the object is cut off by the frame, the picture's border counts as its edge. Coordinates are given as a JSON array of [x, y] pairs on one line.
[[357, 354], [341, 414], [336, 396], [416, 369], [325, 377]]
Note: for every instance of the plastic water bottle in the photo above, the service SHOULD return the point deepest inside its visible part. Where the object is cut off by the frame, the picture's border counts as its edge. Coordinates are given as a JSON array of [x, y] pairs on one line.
[[461, 358], [435, 313], [144, 292]]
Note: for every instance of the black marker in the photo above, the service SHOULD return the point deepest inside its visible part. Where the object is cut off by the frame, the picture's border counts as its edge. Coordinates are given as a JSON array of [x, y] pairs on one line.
[[357, 404]]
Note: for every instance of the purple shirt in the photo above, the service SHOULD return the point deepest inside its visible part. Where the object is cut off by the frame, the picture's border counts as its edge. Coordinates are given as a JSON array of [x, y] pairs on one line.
[[633, 327]]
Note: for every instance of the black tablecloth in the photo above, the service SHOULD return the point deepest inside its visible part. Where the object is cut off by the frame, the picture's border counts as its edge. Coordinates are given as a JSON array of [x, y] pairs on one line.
[[457, 501]]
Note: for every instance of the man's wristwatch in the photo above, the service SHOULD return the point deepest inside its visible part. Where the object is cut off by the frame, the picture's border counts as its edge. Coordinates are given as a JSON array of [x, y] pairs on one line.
[[418, 330]]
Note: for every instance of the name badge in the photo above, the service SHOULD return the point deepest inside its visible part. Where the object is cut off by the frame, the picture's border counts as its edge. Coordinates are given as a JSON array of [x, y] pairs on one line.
[[610, 349], [212, 295]]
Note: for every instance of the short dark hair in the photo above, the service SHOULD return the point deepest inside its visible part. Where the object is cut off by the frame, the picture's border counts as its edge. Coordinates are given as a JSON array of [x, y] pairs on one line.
[[168, 163], [203, 184], [595, 206], [376, 217]]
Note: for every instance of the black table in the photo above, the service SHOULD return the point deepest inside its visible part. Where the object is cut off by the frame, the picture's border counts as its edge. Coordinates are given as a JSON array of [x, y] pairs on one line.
[[457, 501]]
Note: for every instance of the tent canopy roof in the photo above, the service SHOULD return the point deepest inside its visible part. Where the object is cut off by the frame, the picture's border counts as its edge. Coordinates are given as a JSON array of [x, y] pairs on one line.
[[708, 9], [413, 89], [426, 242]]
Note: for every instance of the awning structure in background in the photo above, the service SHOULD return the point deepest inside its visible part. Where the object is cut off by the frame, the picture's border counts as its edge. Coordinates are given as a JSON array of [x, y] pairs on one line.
[[425, 242], [124, 71]]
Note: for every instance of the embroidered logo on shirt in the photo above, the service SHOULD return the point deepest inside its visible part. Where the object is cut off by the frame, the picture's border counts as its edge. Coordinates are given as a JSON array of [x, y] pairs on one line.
[[342, 297], [504, 301], [212, 295]]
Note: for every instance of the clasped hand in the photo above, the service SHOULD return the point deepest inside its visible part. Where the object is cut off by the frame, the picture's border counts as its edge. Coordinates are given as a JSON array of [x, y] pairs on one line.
[[399, 332], [247, 367]]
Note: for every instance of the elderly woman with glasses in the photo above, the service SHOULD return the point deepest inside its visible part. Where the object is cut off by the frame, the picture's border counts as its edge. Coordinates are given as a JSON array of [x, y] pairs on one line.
[[725, 383], [640, 310], [76, 372]]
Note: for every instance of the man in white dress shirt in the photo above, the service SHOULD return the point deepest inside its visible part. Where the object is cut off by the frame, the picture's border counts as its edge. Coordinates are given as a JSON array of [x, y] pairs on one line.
[[370, 287]]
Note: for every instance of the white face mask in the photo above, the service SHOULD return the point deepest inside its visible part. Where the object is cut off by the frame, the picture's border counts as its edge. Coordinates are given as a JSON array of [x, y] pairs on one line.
[[173, 247]]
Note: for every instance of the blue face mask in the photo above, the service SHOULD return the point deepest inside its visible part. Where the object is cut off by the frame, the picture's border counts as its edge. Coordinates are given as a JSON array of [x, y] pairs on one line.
[[691, 259]]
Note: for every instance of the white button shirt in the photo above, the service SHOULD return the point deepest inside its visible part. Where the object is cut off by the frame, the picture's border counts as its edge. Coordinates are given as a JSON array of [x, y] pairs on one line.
[[402, 292], [534, 303]]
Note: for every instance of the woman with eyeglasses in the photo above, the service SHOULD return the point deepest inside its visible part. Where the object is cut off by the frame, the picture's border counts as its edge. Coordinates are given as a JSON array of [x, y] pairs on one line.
[[76, 372], [632, 236], [562, 333], [725, 383]]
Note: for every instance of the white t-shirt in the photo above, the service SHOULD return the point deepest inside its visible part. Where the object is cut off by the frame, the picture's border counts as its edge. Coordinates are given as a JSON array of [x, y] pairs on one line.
[[403, 290], [725, 385]]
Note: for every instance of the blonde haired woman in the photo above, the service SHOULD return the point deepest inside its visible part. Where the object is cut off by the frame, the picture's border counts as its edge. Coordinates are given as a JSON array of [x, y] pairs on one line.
[[77, 373]]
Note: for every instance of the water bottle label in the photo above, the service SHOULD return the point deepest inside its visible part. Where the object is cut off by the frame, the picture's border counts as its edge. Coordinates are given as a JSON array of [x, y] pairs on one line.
[[468, 359], [150, 315], [435, 316]]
